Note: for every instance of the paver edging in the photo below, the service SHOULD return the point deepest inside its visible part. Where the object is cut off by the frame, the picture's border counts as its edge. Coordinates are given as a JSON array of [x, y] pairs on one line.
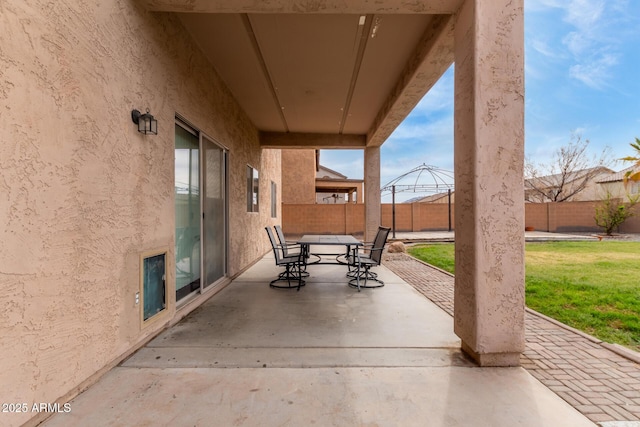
[[564, 326], [622, 351], [405, 255], [627, 353], [618, 349]]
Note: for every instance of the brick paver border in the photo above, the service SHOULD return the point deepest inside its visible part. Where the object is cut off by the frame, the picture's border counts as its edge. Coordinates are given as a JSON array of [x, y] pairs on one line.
[[600, 383]]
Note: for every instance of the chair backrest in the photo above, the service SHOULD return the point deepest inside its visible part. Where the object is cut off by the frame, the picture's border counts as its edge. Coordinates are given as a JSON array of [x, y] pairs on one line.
[[282, 240], [378, 244], [274, 245]]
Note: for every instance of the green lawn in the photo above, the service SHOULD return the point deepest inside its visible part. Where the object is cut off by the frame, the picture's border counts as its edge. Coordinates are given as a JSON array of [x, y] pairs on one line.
[[591, 286]]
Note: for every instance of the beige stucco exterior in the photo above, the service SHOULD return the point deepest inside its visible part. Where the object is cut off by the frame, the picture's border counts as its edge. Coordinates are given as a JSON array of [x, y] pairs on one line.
[[298, 176], [83, 194], [615, 186], [489, 158], [303, 184]]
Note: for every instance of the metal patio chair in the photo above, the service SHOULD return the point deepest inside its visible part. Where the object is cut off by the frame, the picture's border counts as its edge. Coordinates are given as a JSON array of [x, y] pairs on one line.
[[292, 248], [292, 262], [364, 257]]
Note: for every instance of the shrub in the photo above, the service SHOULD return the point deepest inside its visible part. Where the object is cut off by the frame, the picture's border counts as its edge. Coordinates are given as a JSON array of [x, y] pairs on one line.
[[611, 213]]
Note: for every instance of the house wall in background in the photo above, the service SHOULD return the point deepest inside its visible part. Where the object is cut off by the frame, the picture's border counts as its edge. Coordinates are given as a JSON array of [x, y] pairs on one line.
[[298, 176]]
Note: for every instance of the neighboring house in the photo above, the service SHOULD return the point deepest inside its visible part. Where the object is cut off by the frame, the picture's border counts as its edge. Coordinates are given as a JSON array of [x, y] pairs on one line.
[[305, 181], [434, 198], [333, 188], [614, 185], [574, 186]]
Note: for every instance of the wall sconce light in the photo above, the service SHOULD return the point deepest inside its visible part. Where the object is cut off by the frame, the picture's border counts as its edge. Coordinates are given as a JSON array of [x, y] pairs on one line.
[[146, 123]]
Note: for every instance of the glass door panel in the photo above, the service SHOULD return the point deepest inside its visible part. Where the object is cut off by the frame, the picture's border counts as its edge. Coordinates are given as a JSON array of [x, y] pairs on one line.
[[188, 213], [214, 212]]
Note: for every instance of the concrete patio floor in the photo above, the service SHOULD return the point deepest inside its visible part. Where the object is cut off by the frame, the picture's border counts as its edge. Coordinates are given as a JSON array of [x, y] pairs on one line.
[[326, 355]]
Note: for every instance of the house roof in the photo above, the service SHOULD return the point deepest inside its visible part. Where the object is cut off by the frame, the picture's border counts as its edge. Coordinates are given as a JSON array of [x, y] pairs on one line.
[[427, 199], [617, 176], [572, 176], [324, 169], [328, 74]]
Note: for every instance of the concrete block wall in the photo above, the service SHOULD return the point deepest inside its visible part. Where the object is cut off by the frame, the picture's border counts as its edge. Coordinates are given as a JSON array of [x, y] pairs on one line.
[[404, 216], [349, 218], [536, 216], [575, 216], [432, 216], [302, 219]]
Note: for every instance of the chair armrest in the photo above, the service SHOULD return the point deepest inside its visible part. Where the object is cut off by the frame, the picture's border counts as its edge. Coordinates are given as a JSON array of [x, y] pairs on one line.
[[354, 256], [368, 246], [288, 245], [357, 250]]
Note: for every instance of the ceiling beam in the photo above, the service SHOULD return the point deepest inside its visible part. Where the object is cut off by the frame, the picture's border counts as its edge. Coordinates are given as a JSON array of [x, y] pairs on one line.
[[432, 57], [365, 30], [304, 6], [311, 140], [263, 68]]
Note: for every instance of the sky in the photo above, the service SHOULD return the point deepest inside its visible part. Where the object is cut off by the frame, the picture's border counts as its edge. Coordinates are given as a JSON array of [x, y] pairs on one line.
[[582, 78]]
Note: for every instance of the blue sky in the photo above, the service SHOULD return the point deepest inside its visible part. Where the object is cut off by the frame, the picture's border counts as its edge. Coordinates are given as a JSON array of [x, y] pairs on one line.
[[582, 77]]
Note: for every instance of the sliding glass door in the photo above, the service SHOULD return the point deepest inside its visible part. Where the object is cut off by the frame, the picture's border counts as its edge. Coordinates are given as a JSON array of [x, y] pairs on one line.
[[200, 205], [213, 212]]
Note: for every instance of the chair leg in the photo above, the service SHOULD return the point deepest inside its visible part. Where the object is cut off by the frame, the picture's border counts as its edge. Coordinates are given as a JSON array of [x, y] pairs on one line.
[[300, 266], [303, 269], [368, 276], [288, 275]]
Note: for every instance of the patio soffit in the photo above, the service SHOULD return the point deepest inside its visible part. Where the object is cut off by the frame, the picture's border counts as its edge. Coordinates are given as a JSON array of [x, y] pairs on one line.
[[324, 73]]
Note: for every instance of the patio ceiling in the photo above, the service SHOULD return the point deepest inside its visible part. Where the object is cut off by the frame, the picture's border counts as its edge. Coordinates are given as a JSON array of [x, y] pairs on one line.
[[322, 74]]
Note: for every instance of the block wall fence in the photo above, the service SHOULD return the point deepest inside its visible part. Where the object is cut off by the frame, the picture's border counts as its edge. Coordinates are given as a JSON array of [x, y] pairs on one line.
[[299, 219]]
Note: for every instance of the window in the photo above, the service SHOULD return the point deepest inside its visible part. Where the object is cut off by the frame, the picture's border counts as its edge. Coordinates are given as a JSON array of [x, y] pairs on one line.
[[253, 185], [274, 200]]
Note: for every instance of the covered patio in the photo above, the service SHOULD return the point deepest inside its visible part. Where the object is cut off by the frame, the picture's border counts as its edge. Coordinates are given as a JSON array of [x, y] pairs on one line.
[[98, 235], [326, 355], [343, 75]]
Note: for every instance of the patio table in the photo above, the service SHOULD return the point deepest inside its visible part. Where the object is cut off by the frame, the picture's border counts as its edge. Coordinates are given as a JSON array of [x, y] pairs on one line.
[[346, 240]]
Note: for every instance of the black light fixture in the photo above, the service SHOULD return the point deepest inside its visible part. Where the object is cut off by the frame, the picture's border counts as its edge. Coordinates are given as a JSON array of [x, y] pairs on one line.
[[146, 123]]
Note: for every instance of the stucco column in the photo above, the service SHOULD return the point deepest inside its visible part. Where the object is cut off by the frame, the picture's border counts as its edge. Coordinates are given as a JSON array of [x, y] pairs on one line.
[[372, 214], [489, 156]]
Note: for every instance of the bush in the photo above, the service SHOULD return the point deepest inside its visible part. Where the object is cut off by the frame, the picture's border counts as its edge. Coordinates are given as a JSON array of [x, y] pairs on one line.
[[611, 213]]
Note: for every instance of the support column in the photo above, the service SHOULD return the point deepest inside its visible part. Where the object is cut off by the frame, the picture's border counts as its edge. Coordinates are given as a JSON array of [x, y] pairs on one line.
[[489, 157], [372, 216]]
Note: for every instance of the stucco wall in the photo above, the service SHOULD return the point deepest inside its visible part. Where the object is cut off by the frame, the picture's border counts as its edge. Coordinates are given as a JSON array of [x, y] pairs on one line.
[[83, 194], [299, 176], [323, 219]]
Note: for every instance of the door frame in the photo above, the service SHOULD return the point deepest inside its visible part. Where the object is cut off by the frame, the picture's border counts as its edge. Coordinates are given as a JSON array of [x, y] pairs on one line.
[[189, 127], [225, 190]]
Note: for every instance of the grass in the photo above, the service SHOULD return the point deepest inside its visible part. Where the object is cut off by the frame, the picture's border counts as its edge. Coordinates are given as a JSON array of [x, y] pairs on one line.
[[591, 286]]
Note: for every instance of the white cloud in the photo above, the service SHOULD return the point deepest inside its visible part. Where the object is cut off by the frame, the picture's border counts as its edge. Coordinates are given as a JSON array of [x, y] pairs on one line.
[[420, 132], [595, 73], [584, 14], [439, 98], [347, 162], [543, 48], [540, 5], [590, 40]]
